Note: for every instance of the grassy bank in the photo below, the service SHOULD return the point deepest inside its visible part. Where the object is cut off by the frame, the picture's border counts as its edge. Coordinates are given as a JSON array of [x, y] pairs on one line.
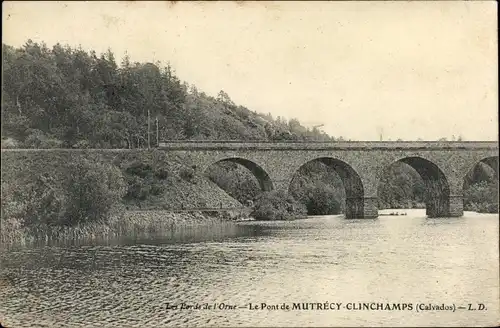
[[153, 179], [99, 194], [87, 195], [129, 223]]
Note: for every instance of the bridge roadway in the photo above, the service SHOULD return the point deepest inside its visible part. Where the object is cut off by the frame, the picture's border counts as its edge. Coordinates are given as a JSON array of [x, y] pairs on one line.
[[442, 165]]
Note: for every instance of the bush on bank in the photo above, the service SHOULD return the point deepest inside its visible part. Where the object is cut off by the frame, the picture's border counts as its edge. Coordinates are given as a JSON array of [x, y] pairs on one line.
[[320, 200], [86, 191], [275, 205], [482, 197], [85, 196]]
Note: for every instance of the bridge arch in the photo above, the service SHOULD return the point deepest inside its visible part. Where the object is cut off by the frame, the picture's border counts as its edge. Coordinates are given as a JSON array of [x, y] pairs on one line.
[[437, 188], [263, 178], [480, 187], [351, 180], [491, 161]]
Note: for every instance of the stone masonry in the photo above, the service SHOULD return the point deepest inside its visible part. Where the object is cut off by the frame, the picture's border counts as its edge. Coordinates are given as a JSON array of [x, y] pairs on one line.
[[442, 165]]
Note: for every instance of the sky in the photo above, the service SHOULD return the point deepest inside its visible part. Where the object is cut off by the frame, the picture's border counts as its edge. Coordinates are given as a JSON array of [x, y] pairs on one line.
[[363, 70]]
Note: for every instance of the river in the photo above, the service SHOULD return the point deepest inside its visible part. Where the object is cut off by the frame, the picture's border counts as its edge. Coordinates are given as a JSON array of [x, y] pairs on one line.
[[138, 281]]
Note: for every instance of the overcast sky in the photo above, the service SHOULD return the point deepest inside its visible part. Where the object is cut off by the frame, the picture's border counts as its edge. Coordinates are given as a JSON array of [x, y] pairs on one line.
[[404, 69]]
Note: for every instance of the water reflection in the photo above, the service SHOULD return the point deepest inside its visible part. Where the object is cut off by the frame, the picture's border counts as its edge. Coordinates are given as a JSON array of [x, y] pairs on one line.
[[133, 281]]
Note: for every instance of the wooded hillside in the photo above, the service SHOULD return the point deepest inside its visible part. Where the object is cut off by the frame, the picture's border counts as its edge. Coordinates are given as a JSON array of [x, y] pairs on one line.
[[64, 97]]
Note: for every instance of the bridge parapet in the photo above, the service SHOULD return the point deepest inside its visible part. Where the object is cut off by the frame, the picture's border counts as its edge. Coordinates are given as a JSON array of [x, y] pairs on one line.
[[341, 145]]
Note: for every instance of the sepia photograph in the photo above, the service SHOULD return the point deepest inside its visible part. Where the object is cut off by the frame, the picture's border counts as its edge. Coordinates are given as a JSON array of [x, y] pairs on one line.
[[249, 164]]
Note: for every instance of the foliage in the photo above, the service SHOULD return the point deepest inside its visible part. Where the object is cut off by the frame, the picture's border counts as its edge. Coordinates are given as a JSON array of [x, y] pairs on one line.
[[400, 187], [144, 181], [481, 189], [237, 181], [323, 200], [480, 197], [187, 174], [275, 205], [93, 189], [69, 98], [87, 192], [319, 188]]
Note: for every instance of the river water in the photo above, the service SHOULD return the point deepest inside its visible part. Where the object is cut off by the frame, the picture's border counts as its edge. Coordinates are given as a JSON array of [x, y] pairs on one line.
[[137, 282]]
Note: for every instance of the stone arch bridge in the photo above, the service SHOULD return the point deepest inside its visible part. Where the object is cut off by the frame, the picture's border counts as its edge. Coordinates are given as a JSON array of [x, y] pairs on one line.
[[442, 165]]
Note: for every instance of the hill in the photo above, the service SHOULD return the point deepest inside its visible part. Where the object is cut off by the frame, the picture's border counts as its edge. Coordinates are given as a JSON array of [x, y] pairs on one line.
[[68, 98]]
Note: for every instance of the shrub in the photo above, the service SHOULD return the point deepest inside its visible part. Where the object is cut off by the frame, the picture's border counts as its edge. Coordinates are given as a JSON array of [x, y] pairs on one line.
[[144, 180], [157, 189], [482, 197], [14, 204], [139, 169], [278, 206], [85, 191], [93, 189], [162, 174], [322, 201], [82, 144], [9, 143], [38, 139], [236, 180], [135, 187], [187, 174], [45, 202], [11, 230]]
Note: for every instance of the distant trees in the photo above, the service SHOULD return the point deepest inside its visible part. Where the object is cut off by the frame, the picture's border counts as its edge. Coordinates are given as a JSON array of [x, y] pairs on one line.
[[401, 187], [70, 98]]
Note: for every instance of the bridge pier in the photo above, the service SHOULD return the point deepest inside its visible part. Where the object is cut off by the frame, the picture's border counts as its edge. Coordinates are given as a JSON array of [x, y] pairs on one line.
[[445, 207], [361, 208], [281, 185], [456, 206]]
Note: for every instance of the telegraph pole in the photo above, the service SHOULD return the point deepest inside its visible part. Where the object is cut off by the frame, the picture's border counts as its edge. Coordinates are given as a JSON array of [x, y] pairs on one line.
[[380, 131], [157, 134], [149, 135]]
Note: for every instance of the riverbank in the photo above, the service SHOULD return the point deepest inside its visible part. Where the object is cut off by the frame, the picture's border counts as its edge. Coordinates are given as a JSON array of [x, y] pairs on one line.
[[129, 223]]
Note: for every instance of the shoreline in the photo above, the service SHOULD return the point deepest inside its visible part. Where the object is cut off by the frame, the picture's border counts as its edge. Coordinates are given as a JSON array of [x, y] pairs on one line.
[[133, 223], [128, 223]]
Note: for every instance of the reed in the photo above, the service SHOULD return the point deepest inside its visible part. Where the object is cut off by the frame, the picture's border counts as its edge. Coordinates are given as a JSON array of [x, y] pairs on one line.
[[130, 223]]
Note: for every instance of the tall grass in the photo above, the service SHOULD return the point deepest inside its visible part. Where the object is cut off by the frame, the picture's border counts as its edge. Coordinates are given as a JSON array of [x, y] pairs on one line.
[[131, 223]]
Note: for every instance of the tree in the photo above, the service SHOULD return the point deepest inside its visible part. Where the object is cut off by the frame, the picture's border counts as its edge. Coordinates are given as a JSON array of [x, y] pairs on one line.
[[275, 205], [93, 190], [76, 98]]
